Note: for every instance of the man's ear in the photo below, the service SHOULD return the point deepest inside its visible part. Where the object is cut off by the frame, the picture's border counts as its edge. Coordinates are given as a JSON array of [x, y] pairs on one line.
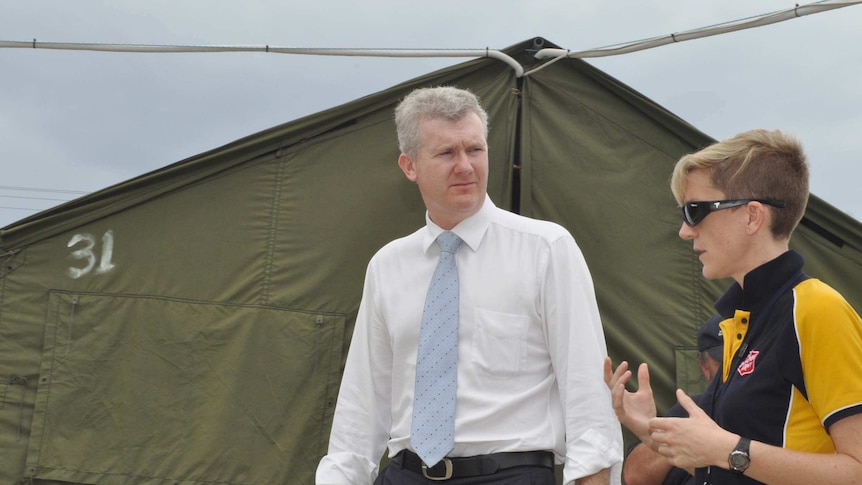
[[408, 166]]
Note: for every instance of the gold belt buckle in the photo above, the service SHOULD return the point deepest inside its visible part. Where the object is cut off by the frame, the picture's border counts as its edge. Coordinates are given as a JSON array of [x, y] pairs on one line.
[[447, 463]]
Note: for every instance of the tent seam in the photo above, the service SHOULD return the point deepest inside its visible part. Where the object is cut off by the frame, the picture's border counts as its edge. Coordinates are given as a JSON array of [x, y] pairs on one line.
[[55, 320], [273, 230]]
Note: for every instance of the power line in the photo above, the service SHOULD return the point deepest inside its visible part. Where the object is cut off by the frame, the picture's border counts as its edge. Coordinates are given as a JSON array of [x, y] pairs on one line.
[[21, 208], [31, 198], [717, 29], [726, 27], [351, 51], [35, 189]]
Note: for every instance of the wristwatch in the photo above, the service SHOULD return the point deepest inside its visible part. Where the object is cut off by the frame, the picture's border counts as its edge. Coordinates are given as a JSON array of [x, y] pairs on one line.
[[739, 459]]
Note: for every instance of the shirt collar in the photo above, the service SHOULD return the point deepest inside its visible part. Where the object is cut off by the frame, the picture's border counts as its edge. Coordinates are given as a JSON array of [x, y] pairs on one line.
[[760, 284], [471, 230]]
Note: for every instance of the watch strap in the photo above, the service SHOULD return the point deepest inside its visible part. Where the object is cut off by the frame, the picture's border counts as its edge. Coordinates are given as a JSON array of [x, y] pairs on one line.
[[739, 459]]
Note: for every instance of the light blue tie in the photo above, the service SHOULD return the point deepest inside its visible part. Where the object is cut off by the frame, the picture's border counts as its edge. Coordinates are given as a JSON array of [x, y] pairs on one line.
[[433, 429]]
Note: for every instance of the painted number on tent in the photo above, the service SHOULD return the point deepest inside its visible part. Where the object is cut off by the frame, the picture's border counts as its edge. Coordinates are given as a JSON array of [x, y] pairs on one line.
[[87, 253]]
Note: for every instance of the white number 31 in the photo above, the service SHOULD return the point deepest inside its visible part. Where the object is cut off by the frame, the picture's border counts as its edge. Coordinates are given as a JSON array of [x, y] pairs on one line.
[[87, 254]]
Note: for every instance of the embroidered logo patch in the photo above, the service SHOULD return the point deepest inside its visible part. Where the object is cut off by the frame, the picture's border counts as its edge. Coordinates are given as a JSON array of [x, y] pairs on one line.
[[747, 365]]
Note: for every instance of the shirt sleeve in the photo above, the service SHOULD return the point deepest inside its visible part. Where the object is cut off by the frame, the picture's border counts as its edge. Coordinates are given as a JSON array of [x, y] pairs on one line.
[[360, 427], [830, 336], [577, 346]]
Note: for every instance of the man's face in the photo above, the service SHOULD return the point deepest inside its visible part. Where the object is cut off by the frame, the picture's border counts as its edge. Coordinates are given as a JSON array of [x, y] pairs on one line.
[[451, 168], [708, 366]]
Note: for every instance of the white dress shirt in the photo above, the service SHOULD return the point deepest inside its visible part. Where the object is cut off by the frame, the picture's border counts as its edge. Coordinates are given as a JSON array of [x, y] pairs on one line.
[[531, 350]]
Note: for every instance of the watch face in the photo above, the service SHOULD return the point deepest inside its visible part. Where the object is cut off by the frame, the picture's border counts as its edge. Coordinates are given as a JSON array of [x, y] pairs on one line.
[[739, 461]]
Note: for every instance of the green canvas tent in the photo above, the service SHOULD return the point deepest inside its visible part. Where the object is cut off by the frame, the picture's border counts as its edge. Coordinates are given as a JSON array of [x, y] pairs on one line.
[[189, 326]]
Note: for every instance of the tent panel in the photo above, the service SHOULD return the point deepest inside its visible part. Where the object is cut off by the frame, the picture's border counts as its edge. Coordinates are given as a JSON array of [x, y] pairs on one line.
[[832, 247], [601, 168], [336, 202], [157, 391]]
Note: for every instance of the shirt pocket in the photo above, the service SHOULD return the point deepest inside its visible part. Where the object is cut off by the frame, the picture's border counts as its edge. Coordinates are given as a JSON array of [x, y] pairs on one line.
[[499, 341]]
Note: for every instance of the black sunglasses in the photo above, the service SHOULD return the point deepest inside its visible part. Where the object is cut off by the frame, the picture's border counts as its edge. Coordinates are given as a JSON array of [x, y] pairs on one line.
[[694, 212]]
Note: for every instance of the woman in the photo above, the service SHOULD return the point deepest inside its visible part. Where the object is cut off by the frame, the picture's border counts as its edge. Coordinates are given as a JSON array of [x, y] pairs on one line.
[[787, 406]]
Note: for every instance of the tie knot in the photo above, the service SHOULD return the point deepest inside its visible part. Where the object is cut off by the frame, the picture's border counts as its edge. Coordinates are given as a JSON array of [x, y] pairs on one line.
[[448, 242]]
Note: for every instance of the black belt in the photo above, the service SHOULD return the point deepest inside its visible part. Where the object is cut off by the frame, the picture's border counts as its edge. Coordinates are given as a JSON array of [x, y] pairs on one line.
[[473, 466]]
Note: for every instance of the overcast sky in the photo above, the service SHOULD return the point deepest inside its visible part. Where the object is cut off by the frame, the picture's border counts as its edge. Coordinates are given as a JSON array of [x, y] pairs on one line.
[[76, 122]]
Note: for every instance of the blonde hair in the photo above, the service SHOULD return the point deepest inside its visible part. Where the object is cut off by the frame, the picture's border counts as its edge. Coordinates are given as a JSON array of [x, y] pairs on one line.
[[756, 164]]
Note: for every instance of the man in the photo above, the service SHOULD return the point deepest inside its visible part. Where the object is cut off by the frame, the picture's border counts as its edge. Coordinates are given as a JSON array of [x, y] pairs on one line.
[[529, 389], [644, 466]]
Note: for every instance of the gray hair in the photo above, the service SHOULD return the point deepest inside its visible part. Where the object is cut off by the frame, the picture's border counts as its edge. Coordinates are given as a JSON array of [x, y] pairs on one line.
[[442, 102]]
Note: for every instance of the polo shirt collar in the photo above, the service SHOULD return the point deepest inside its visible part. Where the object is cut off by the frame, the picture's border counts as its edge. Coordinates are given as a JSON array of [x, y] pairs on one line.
[[760, 284]]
